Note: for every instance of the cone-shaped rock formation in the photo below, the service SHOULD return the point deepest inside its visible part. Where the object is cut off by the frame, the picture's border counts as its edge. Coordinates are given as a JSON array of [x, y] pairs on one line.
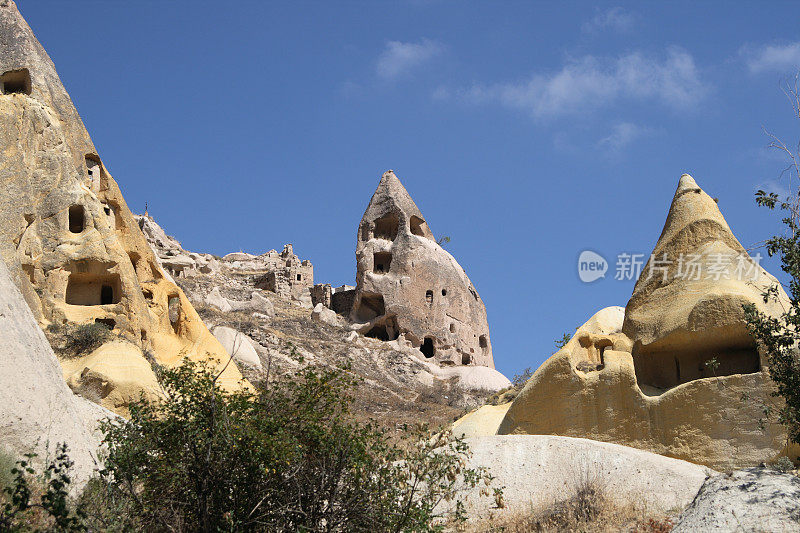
[[409, 287], [67, 235], [686, 307], [670, 373]]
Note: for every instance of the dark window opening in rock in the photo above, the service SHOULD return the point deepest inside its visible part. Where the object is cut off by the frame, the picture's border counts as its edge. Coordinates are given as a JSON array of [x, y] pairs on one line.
[[483, 343], [427, 348], [381, 262], [385, 331], [466, 359], [107, 210], [144, 335], [299, 277], [418, 226], [147, 293], [89, 288], [134, 257], [370, 306], [30, 270], [106, 295], [666, 368], [76, 219], [452, 328], [386, 227], [429, 297], [16, 81], [365, 232], [444, 292], [110, 323], [174, 310]]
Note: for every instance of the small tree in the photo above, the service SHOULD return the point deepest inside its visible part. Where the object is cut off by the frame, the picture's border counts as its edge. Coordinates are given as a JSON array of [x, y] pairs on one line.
[[286, 458], [779, 336]]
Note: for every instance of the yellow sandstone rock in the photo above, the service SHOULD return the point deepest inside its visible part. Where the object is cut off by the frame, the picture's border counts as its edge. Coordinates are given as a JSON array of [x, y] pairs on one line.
[[113, 376], [66, 233], [676, 373]]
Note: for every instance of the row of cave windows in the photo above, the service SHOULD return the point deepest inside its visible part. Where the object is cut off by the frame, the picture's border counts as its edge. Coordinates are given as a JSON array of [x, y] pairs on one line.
[[387, 227], [77, 217]]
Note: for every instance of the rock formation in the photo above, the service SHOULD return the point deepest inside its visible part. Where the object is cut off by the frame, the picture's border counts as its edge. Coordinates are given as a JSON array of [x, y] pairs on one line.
[[409, 288], [283, 273], [171, 256], [37, 409], [70, 242], [537, 471], [675, 373], [754, 499]]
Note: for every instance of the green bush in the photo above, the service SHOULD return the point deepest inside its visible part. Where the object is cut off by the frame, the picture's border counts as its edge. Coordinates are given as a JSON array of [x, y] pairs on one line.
[[286, 458], [41, 505]]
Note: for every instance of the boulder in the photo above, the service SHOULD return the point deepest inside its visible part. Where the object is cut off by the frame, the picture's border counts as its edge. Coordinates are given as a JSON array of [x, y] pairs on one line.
[[323, 314], [113, 375], [69, 240], [540, 470], [239, 345], [408, 286], [755, 499], [37, 409], [256, 303], [216, 299], [474, 378]]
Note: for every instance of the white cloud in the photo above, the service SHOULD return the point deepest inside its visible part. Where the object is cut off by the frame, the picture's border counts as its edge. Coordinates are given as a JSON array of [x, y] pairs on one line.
[[613, 19], [589, 83], [399, 58], [772, 57], [622, 134]]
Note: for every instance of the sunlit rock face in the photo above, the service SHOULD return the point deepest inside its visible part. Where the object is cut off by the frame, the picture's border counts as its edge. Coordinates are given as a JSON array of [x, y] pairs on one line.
[[66, 233], [676, 371], [409, 288]]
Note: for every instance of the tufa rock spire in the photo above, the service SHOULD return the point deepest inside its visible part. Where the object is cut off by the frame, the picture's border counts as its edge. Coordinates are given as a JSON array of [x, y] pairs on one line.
[[409, 288]]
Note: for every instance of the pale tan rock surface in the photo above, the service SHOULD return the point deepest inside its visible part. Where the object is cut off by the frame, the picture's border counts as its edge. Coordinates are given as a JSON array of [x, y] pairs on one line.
[[409, 288], [755, 499], [37, 409], [539, 470], [677, 374], [482, 422], [239, 345], [66, 233]]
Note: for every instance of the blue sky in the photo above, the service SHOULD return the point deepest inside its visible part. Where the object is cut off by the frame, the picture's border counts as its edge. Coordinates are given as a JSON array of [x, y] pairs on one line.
[[527, 132]]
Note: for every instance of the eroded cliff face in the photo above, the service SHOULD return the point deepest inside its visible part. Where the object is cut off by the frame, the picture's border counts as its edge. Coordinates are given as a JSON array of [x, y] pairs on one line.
[[676, 372], [409, 288], [66, 233]]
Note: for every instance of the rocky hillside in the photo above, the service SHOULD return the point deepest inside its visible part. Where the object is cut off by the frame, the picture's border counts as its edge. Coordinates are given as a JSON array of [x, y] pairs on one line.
[[271, 335]]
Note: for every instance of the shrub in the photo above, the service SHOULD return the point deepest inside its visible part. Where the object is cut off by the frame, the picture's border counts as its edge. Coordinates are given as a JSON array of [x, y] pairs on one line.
[[88, 337], [43, 506], [519, 380], [285, 458]]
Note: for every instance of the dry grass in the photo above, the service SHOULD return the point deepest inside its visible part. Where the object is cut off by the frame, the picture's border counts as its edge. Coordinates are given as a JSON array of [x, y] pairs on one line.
[[588, 509]]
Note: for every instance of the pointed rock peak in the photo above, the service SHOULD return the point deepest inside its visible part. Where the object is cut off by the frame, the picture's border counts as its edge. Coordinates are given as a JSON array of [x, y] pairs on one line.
[[692, 207], [686, 183], [391, 202]]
